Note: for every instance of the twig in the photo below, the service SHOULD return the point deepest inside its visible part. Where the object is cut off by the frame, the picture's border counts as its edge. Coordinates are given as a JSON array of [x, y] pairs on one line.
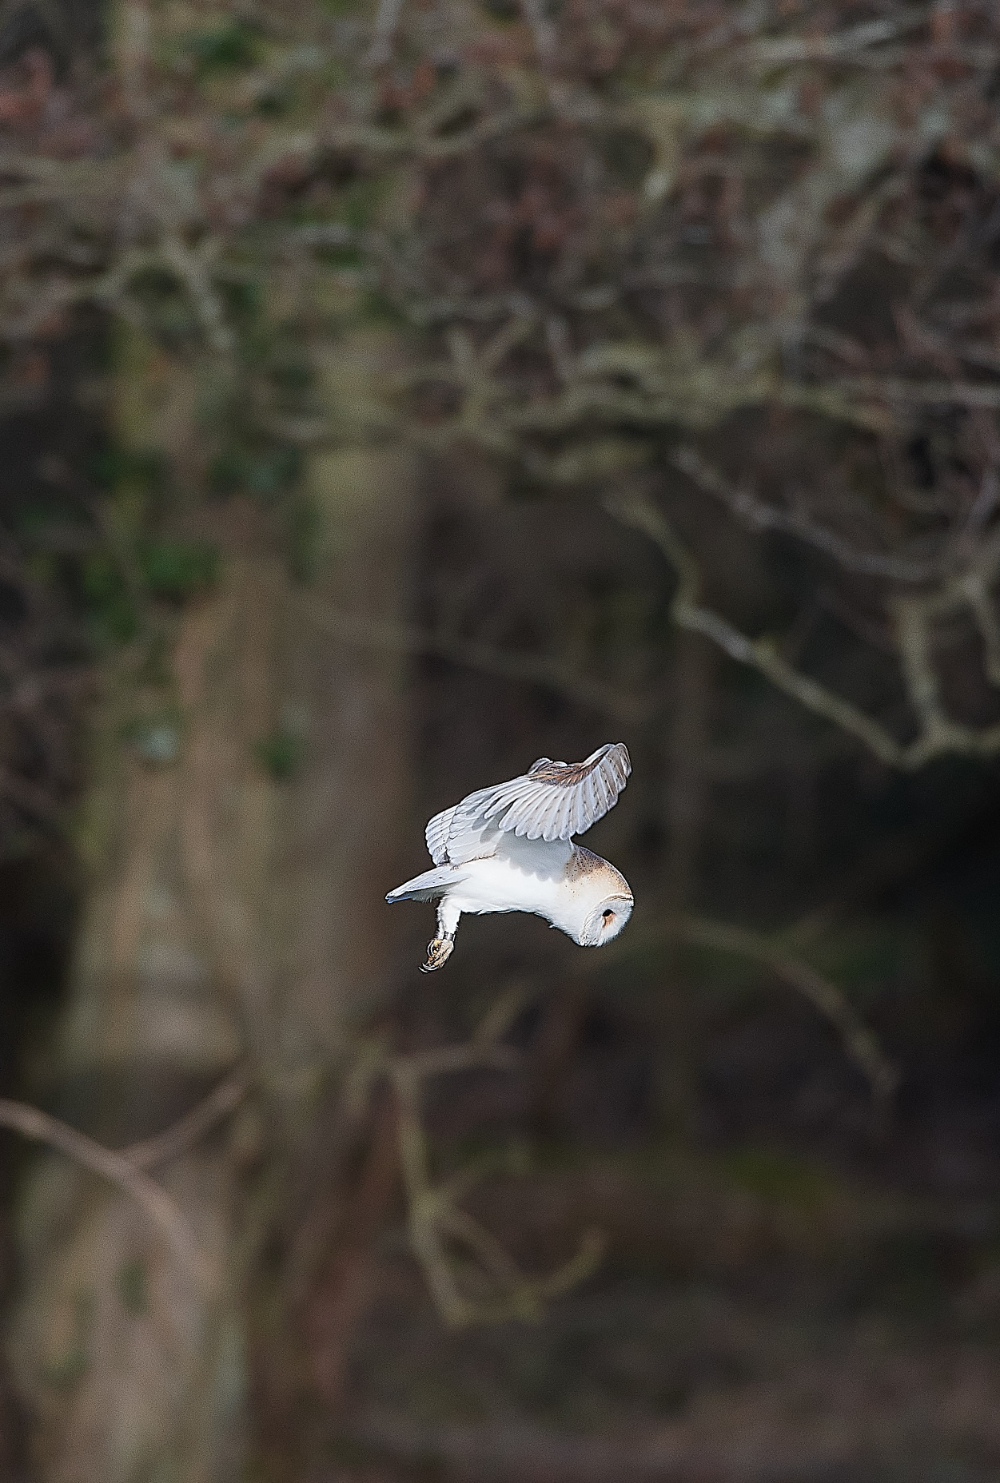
[[32, 1123], [841, 45], [433, 1213], [542, 30], [386, 22], [192, 1126], [758, 515], [376, 633], [859, 1041], [923, 393], [913, 618], [759, 654], [983, 610]]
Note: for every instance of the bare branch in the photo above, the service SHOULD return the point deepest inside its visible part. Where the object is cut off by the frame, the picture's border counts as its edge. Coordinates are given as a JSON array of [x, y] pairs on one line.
[[913, 618], [758, 515], [984, 394], [434, 1215], [542, 30], [193, 1125], [759, 654], [504, 663], [859, 1041], [386, 22], [30, 1122], [840, 45]]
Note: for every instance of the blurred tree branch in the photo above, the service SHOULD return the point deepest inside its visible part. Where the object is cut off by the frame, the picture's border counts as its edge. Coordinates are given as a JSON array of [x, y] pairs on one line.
[[529, 669], [434, 1217], [914, 618], [119, 1169], [219, 1103], [858, 1040]]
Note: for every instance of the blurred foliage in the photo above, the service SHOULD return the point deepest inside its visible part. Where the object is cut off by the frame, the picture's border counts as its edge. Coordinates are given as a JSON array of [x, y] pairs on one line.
[[280, 754], [176, 570]]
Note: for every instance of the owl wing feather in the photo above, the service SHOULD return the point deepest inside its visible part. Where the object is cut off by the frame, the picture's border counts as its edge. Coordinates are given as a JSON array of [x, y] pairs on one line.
[[436, 834], [553, 800]]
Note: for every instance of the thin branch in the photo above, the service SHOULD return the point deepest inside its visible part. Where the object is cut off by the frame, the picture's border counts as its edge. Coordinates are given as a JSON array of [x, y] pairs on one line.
[[433, 1212], [376, 633], [841, 45], [759, 515], [983, 610], [760, 654], [193, 1125], [984, 394], [386, 22], [913, 616], [192, 268], [32, 1123], [983, 506], [859, 1041], [542, 30], [449, 1058]]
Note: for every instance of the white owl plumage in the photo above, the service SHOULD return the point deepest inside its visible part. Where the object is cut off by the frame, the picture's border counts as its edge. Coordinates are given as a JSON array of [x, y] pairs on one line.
[[509, 848]]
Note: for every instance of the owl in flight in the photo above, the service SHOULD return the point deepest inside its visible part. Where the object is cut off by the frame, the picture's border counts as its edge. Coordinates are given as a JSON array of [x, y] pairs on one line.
[[510, 848]]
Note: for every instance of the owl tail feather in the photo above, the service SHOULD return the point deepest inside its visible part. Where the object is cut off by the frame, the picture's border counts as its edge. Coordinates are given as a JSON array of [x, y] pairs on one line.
[[425, 887]]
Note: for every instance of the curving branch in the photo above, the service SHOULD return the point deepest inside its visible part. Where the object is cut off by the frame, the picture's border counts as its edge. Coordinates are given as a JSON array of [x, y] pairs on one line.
[[506, 664], [761, 654], [758, 515], [914, 621], [160, 1209], [859, 1041], [435, 1219], [178, 1138]]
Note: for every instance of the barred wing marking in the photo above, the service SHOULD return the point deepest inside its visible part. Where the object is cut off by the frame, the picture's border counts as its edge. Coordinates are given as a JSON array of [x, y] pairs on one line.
[[436, 834], [556, 800], [553, 800]]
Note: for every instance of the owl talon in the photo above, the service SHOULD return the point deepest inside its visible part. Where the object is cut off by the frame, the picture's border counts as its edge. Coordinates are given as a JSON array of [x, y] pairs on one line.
[[439, 950]]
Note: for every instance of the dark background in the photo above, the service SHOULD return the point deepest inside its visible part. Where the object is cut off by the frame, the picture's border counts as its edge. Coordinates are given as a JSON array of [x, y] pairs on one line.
[[404, 404]]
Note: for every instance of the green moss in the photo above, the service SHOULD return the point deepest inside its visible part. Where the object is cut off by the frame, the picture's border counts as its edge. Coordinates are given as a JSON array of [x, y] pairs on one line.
[[222, 48], [294, 374], [115, 468], [303, 537], [174, 570], [338, 257], [110, 608], [358, 201], [378, 308], [502, 10], [339, 7], [279, 754], [628, 156], [64, 1372], [778, 1177], [262, 471], [132, 1287], [243, 299]]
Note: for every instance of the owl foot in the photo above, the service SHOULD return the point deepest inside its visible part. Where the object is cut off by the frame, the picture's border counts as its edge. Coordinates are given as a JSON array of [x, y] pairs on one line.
[[439, 950]]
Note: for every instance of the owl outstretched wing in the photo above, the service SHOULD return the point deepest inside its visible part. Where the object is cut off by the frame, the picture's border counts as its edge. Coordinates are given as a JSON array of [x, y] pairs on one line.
[[552, 801]]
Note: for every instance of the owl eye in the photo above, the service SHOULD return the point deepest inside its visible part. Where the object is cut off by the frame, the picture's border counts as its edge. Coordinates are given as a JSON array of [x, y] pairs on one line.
[[607, 914]]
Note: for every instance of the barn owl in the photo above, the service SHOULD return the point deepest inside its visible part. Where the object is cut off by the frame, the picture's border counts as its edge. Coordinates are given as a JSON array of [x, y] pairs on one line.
[[510, 848]]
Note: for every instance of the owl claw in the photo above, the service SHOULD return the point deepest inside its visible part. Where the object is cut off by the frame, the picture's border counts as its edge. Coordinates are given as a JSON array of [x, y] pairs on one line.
[[439, 950]]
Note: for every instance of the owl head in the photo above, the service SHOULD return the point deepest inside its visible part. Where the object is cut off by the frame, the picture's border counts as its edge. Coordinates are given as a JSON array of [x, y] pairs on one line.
[[604, 920]]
